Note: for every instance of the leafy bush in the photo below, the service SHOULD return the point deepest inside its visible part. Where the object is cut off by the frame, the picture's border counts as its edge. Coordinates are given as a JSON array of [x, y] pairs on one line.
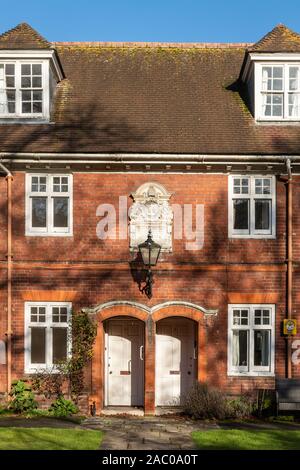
[[203, 402], [63, 408], [48, 382], [22, 397]]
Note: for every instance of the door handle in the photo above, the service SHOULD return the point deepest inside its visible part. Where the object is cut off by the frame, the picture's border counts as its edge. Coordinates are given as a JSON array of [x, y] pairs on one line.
[[129, 366], [142, 353]]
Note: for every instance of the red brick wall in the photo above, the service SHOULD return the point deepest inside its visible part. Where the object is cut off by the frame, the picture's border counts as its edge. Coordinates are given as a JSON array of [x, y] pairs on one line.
[[208, 277]]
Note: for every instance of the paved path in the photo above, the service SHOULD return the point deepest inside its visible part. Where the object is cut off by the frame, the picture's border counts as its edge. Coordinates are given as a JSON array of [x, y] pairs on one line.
[[145, 433]]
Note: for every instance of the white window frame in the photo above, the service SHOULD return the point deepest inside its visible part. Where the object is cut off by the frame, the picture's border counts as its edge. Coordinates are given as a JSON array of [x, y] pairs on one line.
[[45, 115], [48, 325], [251, 370], [252, 232], [49, 230], [259, 91]]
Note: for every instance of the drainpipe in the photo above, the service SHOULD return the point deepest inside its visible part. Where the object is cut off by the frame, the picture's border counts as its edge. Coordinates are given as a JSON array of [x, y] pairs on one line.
[[289, 263], [9, 179]]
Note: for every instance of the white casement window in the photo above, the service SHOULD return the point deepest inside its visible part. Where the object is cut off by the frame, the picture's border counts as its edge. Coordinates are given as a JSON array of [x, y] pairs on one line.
[[24, 89], [251, 339], [252, 206], [47, 334], [49, 205], [278, 92]]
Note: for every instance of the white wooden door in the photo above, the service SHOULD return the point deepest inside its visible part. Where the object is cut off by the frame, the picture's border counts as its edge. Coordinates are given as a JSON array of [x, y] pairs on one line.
[[175, 360], [124, 363]]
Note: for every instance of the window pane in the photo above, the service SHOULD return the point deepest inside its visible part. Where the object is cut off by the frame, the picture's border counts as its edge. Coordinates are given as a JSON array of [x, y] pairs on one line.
[[26, 95], [25, 69], [10, 69], [63, 314], [241, 214], [261, 347], [262, 186], [240, 186], [262, 214], [38, 184], [37, 95], [26, 82], [39, 212], [273, 104], [37, 107], [10, 82], [36, 69], [293, 78], [240, 348], [60, 211], [294, 104], [257, 317], [38, 345], [36, 82], [26, 108], [59, 344], [11, 107], [240, 317]]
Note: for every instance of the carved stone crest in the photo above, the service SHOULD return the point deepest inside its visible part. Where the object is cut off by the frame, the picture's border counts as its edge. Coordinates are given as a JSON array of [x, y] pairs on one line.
[[151, 210]]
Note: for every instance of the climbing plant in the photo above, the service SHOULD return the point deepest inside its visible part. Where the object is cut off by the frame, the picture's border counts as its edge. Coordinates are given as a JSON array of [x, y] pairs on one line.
[[81, 338]]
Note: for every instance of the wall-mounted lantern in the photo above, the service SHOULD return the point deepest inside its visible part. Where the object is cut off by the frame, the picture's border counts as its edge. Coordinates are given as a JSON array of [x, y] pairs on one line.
[[149, 251]]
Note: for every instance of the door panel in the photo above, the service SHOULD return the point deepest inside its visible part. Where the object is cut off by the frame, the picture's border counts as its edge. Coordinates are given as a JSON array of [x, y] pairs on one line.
[[175, 362], [124, 364]]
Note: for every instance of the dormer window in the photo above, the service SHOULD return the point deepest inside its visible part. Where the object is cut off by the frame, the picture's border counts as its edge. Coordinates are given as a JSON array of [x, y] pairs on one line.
[[278, 96], [24, 89], [271, 73]]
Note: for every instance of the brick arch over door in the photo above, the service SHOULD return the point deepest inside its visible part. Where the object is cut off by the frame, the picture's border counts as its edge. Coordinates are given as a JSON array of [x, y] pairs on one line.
[[105, 312], [149, 315], [196, 314]]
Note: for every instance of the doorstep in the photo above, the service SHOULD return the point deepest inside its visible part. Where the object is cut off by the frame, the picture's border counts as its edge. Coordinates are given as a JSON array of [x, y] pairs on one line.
[[122, 410], [168, 410]]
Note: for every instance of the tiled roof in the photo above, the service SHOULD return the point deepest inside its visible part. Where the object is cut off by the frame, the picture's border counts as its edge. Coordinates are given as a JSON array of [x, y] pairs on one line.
[[23, 36], [280, 39], [153, 100]]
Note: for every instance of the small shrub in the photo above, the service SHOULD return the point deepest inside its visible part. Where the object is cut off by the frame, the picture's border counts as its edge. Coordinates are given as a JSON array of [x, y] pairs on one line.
[[63, 408], [285, 418], [203, 402], [240, 408], [266, 403], [22, 397]]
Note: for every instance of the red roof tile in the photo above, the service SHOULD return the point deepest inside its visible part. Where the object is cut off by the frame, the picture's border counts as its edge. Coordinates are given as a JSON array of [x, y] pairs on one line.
[[280, 39], [153, 100], [23, 36]]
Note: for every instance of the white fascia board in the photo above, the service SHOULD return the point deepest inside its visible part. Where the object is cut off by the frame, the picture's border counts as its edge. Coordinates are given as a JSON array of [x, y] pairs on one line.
[[34, 54], [274, 56], [268, 57]]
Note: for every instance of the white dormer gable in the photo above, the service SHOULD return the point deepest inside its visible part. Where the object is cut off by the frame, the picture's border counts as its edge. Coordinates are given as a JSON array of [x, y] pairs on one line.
[[272, 76], [29, 72]]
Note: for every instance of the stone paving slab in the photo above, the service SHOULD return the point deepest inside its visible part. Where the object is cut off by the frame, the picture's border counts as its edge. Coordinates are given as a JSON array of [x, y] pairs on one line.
[[147, 433]]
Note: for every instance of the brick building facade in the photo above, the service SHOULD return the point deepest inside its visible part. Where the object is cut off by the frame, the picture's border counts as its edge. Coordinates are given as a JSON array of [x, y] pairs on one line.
[[83, 126]]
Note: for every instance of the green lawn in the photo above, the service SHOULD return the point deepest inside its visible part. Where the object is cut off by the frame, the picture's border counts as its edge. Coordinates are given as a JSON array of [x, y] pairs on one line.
[[235, 439], [49, 439]]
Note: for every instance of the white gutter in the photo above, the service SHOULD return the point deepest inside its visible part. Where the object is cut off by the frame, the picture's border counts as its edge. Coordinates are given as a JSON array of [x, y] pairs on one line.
[[120, 157]]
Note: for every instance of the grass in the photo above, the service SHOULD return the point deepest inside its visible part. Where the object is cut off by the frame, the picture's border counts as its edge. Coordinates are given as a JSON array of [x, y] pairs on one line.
[[236, 439], [49, 439]]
